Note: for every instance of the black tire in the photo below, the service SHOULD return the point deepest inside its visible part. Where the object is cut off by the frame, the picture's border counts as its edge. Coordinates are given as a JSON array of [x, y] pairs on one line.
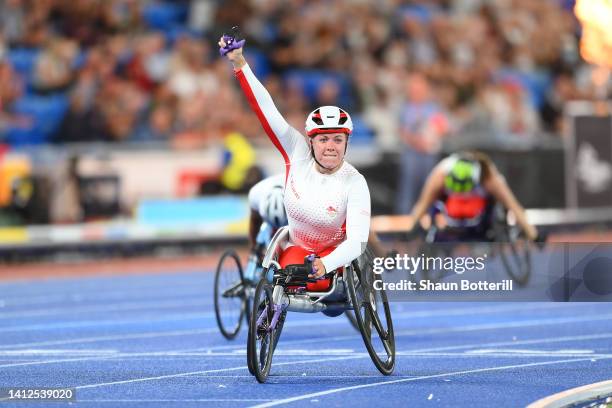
[[367, 303], [230, 301], [515, 253], [279, 329], [249, 352], [514, 249], [365, 263], [261, 343]]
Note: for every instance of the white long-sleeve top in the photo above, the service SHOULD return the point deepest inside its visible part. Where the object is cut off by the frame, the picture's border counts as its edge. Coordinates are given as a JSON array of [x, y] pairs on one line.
[[323, 210]]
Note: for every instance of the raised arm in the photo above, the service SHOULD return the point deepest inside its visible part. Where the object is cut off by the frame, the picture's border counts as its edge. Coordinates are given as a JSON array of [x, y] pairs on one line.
[[275, 126]]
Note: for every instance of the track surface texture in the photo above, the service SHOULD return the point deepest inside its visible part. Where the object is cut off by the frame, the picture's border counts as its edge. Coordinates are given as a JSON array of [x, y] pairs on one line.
[[150, 340]]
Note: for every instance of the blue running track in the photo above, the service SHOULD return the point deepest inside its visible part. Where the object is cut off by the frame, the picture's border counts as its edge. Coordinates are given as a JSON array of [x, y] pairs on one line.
[[151, 341]]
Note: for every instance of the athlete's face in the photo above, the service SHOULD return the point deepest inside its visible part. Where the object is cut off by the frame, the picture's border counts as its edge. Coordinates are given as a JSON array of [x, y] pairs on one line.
[[329, 149]]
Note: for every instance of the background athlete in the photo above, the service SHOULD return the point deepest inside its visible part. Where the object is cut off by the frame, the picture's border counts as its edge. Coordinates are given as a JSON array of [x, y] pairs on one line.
[[466, 183]]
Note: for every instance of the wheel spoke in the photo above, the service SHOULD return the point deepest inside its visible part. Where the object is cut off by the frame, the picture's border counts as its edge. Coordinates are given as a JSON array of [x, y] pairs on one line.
[[377, 323], [236, 290]]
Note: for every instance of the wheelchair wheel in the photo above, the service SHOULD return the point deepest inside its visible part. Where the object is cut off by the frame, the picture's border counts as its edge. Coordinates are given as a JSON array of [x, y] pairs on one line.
[[430, 250], [373, 316], [515, 254], [229, 295], [261, 340]]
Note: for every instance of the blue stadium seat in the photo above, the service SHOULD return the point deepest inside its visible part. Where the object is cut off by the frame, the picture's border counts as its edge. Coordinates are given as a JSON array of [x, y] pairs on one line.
[[419, 12], [46, 112], [258, 62], [176, 31], [312, 80], [164, 15], [23, 61], [362, 133]]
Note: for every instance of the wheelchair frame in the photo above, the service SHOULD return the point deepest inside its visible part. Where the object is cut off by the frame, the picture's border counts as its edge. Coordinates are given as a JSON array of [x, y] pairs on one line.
[[272, 302]]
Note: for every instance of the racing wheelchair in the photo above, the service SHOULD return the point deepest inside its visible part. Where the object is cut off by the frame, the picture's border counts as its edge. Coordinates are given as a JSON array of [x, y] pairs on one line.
[[493, 227], [350, 288], [234, 286]]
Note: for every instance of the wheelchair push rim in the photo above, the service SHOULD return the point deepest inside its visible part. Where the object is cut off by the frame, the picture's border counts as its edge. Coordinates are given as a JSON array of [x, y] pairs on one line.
[[262, 338], [362, 261], [229, 295], [378, 337]]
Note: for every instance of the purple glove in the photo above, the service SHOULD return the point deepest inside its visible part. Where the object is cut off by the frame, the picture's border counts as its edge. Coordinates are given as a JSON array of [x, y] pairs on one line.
[[310, 258], [230, 44]]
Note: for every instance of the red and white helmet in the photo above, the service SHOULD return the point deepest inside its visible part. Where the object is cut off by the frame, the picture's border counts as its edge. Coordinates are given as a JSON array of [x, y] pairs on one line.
[[328, 119]]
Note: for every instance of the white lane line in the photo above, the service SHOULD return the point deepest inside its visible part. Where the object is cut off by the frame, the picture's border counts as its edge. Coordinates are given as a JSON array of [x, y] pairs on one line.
[[403, 380], [71, 352], [64, 360], [121, 307], [442, 330], [548, 340], [96, 339], [78, 296], [435, 349], [504, 355], [175, 301], [530, 351], [155, 318], [144, 319], [299, 323], [176, 400], [424, 314], [80, 292], [361, 355], [209, 376], [414, 353], [163, 377]]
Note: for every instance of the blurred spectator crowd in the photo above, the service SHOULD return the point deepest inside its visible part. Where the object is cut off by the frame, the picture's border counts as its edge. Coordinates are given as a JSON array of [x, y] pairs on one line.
[[127, 70]]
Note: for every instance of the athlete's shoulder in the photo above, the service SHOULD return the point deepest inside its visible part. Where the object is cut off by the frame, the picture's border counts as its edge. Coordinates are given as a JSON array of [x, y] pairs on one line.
[[352, 175], [348, 170]]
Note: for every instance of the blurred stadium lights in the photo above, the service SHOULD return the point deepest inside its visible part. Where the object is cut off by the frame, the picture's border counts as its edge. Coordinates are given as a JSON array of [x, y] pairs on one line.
[[596, 43]]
